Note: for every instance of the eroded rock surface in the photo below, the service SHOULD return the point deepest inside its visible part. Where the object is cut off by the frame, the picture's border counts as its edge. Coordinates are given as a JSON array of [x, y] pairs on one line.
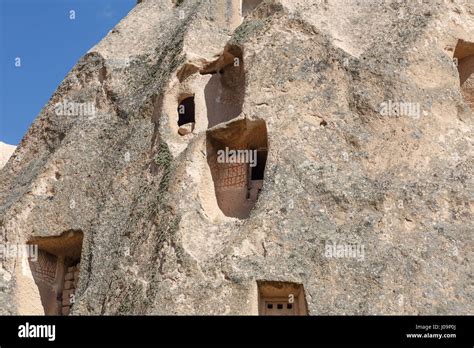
[[369, 143]]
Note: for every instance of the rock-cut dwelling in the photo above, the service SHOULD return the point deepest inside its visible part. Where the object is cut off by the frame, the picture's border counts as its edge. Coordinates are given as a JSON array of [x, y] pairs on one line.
[[281, 299], [56, 271], [237, 183], [202, 98]]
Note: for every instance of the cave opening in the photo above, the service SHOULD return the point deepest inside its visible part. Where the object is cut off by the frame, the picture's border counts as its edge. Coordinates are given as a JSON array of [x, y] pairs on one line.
[[281, 299], [464, 54], [257, 172], [186, 115], [237, 156], [56, 270]]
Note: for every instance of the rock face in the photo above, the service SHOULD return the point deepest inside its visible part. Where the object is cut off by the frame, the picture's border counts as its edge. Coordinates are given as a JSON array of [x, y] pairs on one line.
[[6, 152], [360, 200]]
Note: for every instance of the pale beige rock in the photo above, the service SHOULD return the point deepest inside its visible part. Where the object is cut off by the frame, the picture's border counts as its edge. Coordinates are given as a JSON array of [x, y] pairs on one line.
[[5, 153], [186, 128], [162, 232]]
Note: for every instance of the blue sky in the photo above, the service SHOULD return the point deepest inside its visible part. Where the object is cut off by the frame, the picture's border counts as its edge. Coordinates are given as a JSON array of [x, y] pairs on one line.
[[48, 43]]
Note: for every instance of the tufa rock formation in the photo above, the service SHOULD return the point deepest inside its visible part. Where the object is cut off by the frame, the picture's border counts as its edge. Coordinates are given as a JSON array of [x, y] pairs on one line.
[[359, 115]]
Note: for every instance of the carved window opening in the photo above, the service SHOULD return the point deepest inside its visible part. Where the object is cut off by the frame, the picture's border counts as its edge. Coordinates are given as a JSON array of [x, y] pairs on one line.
[[56, 270], [281, 299], [186, 115], [237, 156]]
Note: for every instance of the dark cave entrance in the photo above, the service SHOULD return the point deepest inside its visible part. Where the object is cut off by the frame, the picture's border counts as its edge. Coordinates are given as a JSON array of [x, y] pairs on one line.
[[257, 172], [186, 111]]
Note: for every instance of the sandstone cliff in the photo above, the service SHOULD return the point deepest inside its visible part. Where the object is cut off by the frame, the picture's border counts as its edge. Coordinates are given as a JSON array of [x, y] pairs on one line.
[[361, 117]]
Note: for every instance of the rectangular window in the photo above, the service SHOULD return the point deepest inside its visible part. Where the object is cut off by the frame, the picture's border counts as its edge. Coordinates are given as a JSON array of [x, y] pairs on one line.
[[281, 299]]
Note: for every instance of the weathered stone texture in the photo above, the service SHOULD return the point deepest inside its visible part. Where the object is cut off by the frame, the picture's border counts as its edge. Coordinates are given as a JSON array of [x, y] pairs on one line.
[[338, 171]]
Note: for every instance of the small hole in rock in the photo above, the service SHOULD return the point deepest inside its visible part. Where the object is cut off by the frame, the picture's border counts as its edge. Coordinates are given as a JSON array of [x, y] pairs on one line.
[[186, 116]]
